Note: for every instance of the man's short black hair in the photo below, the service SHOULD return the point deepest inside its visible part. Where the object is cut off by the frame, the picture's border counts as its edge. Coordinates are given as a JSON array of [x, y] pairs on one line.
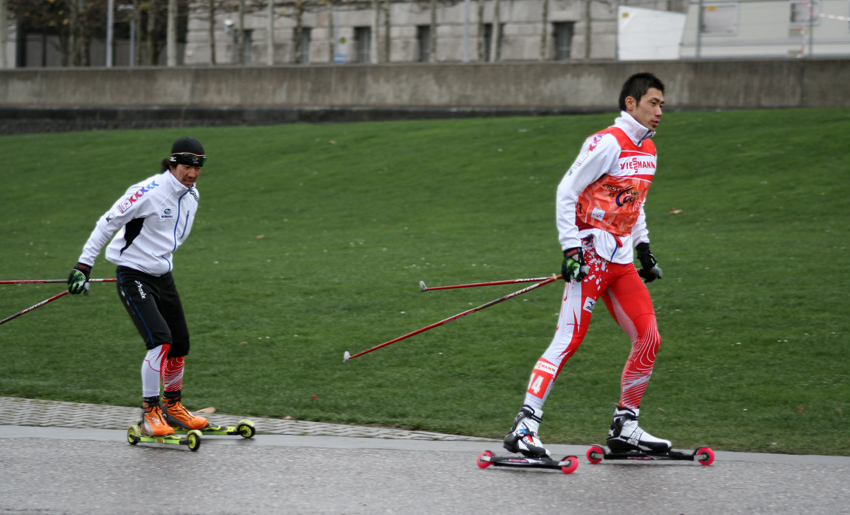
[[637, 85]]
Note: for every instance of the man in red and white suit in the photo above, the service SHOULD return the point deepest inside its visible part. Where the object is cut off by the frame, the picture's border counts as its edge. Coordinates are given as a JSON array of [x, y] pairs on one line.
[[601, 223]]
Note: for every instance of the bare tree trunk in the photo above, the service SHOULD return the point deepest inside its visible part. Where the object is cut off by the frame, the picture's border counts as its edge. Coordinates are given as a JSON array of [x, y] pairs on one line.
[[299, 30], [240, 35], [544, 31], [587, 28], [64, 47], [270, 29], [137, 41], [495, 49], [110, 33], [212, 31], [3, 35], [433, 50], [376, 42], [331, 35], [387, 41], [481, 31], [85, 38], [171, 36], [73, 30], [151, 33]]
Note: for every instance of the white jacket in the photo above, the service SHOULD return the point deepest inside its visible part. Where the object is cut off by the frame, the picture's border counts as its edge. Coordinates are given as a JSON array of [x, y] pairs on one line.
[[590, 165], [154, 217]]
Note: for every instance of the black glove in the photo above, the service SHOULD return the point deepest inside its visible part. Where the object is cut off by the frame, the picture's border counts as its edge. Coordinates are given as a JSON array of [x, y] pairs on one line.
[[78, 281], [573, 267], [648, 269]]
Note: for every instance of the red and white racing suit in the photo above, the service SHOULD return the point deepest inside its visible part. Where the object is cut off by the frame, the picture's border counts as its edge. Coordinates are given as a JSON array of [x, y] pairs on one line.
[[600, 208]]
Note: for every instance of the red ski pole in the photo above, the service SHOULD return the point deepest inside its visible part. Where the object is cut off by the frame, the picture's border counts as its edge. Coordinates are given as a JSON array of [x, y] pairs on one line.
[[422, 286], [46, 281], [548, 280], [42, 303]]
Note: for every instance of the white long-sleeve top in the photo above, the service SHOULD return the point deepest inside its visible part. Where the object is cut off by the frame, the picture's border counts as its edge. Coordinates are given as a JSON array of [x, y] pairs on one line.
[[152, 218], [599, 156]]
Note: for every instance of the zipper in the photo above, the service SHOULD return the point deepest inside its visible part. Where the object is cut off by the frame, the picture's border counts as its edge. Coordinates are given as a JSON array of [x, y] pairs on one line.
[[177, 221], [619, 244]]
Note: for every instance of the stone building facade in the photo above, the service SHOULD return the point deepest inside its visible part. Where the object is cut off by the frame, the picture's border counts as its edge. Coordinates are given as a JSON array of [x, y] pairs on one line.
[[403, 32]]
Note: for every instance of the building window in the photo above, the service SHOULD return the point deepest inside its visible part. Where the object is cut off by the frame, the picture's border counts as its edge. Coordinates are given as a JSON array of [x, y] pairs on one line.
[[423, 38], [247, 44], [488, 41], [563, 34], [362, 44], [804, 13], [305, 45], [720, 19]]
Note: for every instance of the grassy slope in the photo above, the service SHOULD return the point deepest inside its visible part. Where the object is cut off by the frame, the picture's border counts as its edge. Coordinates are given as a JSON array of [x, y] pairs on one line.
[[311, 240]]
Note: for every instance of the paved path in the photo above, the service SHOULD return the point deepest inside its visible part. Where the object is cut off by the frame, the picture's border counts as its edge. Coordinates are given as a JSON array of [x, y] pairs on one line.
[[304, 467], [32, 412]]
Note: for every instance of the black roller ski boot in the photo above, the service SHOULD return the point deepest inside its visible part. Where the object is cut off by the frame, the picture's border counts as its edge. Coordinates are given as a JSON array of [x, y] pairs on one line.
[[522, 437], [626, 436]]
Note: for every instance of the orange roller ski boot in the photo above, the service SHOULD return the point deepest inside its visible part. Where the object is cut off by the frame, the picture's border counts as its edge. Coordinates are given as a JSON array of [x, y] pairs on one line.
[[177, 416], [152, 422]]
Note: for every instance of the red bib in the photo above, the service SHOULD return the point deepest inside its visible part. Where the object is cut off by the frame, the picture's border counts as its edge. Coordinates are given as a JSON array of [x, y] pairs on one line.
[[612, 203]]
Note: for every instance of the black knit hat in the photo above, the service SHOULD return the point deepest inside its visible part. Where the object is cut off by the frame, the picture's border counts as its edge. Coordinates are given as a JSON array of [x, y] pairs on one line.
[[187, 151]]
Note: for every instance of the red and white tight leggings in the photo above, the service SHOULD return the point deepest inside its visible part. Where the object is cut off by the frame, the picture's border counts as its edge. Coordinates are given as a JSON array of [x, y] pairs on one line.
[[628, 301], [157, 367]]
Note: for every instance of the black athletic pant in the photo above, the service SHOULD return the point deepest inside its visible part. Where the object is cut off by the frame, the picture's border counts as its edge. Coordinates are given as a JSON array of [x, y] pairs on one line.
[[154, 305]]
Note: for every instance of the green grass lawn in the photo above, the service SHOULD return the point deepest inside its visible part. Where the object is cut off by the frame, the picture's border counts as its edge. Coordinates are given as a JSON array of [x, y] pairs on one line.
[[311, 241]]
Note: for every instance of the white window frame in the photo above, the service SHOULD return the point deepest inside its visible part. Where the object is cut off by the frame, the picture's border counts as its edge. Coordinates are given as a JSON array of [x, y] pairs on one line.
[[713, 17], [802, 20]]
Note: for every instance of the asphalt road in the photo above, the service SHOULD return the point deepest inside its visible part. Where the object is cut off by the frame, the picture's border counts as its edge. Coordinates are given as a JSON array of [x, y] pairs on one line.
[[49, 471]]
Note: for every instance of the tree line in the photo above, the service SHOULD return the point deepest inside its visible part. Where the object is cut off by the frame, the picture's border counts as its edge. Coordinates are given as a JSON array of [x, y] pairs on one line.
[[158, 23]]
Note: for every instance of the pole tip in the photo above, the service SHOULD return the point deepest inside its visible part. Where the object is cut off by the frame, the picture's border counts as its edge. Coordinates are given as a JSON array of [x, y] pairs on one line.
[[345, 357], [422, 286]]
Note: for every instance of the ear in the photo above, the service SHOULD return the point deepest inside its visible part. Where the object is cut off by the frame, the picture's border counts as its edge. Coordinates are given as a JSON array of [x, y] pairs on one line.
[[631, 104]]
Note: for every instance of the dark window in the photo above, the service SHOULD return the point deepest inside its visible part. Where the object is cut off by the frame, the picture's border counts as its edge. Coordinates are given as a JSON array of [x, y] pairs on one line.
[[563, 40], [247, 44], [305, 45], [362, 44], [423, 38]]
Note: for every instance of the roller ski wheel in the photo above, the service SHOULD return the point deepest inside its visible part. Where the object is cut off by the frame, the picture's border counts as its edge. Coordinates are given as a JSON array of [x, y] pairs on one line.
[[134, 434], [595, 454], [568, 465], [192, 439], [244, 428], [703, 455]]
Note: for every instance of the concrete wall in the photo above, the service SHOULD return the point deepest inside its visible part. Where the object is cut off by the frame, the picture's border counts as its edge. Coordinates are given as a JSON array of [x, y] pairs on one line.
[[585, 86], [265, 94]]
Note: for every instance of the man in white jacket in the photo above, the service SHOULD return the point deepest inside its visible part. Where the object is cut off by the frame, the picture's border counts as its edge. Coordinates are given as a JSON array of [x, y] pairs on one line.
[[153, 218], [601, 223]]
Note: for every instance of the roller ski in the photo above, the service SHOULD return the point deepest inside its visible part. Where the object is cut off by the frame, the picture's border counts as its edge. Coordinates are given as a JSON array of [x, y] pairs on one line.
[[152, 428], [568, 465], [522, 439], [627, 441], [244, 428], [184, 422], [702, 455]]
